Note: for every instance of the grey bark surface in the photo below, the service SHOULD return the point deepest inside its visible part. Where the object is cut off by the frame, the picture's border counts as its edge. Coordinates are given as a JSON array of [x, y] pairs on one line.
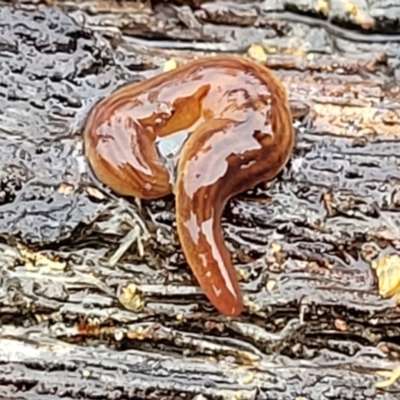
[[83, 317]]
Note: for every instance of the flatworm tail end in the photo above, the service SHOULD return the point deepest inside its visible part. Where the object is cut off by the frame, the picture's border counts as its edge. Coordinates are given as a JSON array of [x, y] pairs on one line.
[[200, 199]]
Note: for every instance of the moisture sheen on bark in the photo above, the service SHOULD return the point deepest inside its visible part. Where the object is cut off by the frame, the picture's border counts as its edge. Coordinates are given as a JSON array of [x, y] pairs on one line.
[[96, 299]]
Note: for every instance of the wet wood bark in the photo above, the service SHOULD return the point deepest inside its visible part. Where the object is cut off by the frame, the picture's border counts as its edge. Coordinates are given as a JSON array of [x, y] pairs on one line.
[[96, 300]]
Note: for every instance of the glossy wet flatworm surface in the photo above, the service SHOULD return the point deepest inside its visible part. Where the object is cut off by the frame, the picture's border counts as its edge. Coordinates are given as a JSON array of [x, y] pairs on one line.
[[205, 131]]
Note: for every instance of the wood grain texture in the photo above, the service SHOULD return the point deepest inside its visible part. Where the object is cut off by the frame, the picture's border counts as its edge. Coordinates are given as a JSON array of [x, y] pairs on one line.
[[74, 325]]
